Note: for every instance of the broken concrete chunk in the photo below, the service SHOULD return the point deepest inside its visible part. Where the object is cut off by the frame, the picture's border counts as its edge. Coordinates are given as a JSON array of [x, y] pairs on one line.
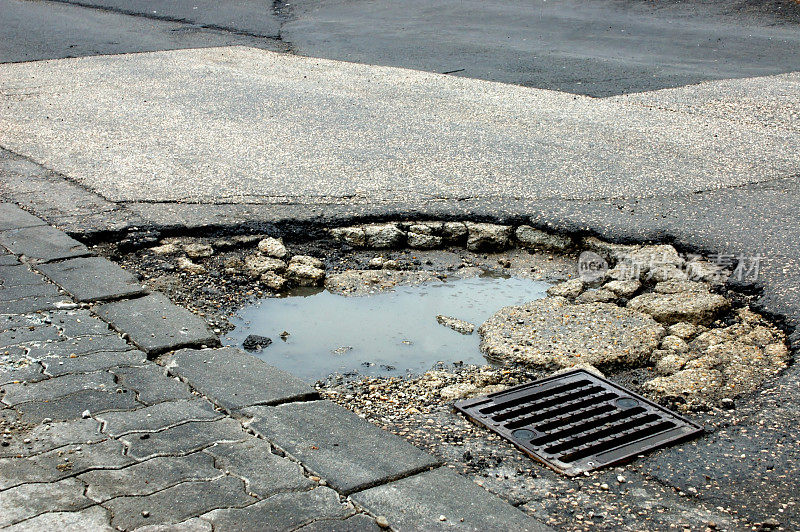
[[198, 251], [683, 330], [460, 326], [307, 260], [623, 288], [554, 333], [169, 248], [273, 247], [569, 289], [488, 237], [384, 236], [188, 266], [691, 307], [257, 265], [598, 295], [532, 238], [354, 236], [454, 232], [423, 241], [305, 274], [273, 281]]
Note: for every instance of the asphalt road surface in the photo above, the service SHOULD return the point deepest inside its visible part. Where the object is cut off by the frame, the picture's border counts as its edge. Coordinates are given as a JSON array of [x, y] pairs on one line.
[[593, 47]]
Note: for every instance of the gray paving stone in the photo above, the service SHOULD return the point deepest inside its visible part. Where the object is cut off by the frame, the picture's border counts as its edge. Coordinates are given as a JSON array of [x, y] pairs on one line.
[[183, 439], [149, 476], [264, 473], [42, 243], [157, 417], [72, 406], [357, 523], [94, 518], [22, 335], [348, 452], [19, 275], [29, 304], [234, 379], [152, 384], [57, 387], [156, 325], [29, 373], [12, 217], [78, 347], [30, 500], [92, 279], [416, 502], [285, 511], [79, 322], [61, 463], [7, 259], [46, 437], [103, 360], [42, 290], [8, 323], [178, 503], [194, 524]]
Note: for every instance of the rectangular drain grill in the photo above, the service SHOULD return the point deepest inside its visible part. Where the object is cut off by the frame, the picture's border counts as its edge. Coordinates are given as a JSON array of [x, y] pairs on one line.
[[577, 421]]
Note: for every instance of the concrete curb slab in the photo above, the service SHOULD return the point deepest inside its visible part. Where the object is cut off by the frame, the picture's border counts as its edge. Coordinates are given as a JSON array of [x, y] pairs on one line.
[[419, 501], [345, 450], [157, 325], [93, 279], [235, 380]]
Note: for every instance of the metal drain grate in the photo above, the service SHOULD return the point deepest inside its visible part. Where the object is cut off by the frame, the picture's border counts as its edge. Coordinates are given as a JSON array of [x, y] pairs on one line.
[[577, 421]]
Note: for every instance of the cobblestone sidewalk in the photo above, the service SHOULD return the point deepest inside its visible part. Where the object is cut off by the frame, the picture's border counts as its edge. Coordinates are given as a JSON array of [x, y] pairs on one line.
[[98, 436]]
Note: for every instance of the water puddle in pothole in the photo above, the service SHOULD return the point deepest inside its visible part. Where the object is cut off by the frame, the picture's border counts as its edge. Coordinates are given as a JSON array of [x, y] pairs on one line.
[[387, 334]]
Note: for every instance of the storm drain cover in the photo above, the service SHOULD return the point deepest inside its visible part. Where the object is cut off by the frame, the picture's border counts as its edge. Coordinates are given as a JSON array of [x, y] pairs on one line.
[[577, 421]]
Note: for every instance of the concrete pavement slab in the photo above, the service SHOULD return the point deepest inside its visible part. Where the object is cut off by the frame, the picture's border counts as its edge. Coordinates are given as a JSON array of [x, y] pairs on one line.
[[234, 379], [177, 503], [30, 500], [157, 417], [42, 243], [93, 279], [418, 502], [149, 476], [12, 217], [93, 518], [230, 125], [285, 511], [336, 444], [155, 324]]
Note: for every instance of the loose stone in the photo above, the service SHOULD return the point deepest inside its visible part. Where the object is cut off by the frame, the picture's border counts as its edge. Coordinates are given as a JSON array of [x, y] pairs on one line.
[[257, 265], [273, 247], [254, 342], [488, 237], [273, 281], [186, 265], [532, 238], [569, 289], [198, 251], [460, 326]]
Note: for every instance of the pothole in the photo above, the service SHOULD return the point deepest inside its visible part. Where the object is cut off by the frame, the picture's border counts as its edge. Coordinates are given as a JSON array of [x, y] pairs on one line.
[[646, 317], [316, 332]]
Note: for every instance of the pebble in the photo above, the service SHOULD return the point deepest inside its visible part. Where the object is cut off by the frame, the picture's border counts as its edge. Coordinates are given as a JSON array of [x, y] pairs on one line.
[[145, 513], [620, 479], [86, 414], [382, 522]]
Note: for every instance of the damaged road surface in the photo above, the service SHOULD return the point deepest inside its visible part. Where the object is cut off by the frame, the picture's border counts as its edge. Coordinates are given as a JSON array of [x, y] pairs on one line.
[[188, 166]]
